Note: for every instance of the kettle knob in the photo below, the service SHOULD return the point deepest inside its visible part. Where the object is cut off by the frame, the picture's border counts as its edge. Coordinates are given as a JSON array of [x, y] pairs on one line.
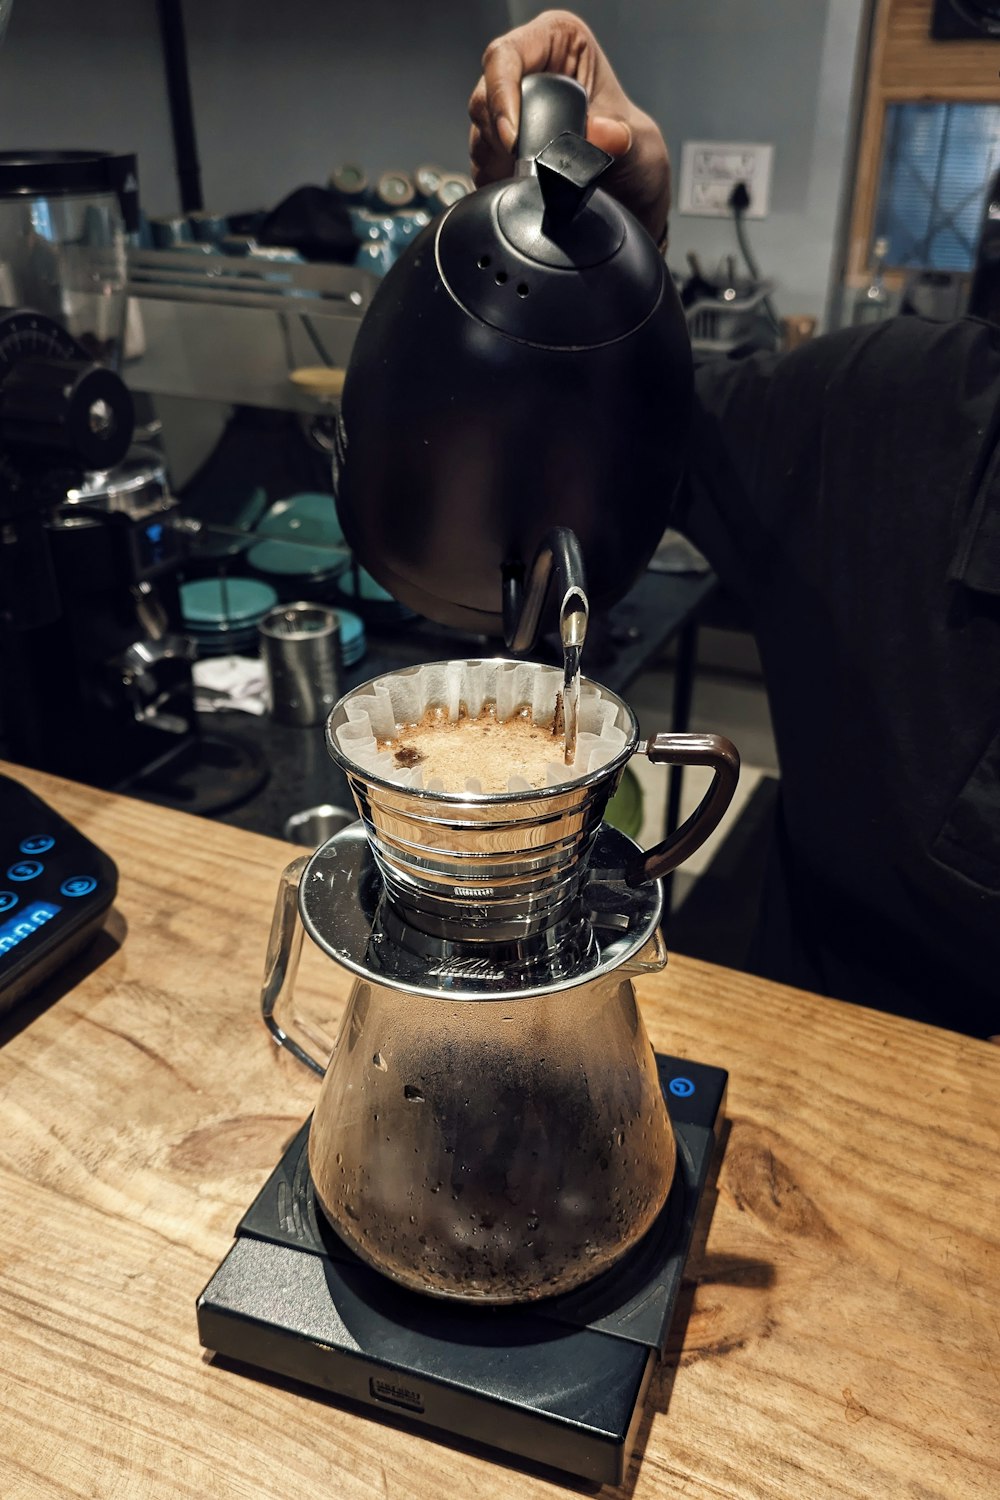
[[568, 169]]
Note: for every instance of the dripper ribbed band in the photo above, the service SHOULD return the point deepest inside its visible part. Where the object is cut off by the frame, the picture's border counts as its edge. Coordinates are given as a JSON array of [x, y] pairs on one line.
[[468, 865]]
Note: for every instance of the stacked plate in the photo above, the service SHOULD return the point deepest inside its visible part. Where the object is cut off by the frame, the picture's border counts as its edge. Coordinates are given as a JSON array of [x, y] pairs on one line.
[[302, 552], [352, 638], [301, 548], [358, 585], [222, 614]]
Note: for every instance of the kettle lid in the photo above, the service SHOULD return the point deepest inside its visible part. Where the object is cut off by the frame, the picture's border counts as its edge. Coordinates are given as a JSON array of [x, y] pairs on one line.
[[548, 258], [549, 216]]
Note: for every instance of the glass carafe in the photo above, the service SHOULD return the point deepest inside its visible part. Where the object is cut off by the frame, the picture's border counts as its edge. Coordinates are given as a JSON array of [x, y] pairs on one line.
[[498, 1150], [482, 1131]]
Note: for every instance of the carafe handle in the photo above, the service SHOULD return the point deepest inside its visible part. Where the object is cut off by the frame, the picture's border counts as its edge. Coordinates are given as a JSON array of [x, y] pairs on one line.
[[284, 948], [712, 750]]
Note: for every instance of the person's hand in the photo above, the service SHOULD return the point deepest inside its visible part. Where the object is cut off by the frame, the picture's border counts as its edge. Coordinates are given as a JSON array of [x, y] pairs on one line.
[[558, 42]]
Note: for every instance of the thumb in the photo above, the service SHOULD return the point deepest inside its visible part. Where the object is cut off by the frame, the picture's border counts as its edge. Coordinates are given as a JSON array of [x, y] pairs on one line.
[[612, 136]]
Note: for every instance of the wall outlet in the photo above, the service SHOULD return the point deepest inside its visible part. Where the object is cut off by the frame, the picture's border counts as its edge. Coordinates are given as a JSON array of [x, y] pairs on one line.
[[711, 169]]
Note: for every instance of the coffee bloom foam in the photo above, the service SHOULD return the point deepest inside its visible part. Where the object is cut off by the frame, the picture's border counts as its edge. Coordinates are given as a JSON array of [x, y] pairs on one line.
[[402, 698]]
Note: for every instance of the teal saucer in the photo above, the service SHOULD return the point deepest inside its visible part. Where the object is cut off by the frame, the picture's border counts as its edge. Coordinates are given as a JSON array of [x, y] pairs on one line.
[[207, 602]]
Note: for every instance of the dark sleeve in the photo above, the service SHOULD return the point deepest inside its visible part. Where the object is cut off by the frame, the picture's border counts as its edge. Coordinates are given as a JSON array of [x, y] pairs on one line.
[[716, 504], [786, 446]]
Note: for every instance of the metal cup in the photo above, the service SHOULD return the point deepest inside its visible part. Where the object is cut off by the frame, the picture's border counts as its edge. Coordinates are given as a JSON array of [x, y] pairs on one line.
[[314, 825], [300, 649], [500, 867]]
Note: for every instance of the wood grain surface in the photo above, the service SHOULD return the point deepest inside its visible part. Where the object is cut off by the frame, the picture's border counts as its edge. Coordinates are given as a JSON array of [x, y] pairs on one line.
[[838, 1336], [919, 66], [906, 64]]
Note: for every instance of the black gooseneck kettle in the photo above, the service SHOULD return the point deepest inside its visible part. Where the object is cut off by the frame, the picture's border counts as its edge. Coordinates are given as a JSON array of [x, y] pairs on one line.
[[515, 413]]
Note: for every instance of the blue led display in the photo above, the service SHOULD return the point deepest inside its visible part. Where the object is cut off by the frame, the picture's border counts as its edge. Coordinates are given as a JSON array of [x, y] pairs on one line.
[[25, 924]]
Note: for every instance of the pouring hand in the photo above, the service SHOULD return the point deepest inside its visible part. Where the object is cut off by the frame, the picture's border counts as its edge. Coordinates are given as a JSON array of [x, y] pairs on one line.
[[558, 42]]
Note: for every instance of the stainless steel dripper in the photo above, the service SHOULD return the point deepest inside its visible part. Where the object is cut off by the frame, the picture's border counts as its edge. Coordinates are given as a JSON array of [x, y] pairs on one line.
[[498, 867]]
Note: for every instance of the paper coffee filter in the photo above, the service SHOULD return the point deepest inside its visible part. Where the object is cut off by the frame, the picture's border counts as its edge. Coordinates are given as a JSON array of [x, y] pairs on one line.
[[404, 697]]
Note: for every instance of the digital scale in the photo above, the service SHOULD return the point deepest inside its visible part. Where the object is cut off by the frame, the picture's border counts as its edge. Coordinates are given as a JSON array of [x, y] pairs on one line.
[[559, 1382], [55, 888]]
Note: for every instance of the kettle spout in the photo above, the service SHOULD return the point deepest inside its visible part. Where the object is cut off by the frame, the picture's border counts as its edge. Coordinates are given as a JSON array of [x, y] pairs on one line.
[[557, 567]]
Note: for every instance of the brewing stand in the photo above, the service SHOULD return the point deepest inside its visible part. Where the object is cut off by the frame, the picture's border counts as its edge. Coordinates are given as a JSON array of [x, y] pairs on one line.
[[560, 1381]]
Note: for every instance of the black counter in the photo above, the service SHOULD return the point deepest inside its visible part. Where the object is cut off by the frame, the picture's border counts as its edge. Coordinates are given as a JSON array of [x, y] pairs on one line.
[[254, 774]]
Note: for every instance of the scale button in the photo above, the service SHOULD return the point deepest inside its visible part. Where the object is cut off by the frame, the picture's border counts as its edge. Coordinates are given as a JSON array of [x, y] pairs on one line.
[[39, 843], [78, 885], [7, 900], [25, 869], [681, 1088]]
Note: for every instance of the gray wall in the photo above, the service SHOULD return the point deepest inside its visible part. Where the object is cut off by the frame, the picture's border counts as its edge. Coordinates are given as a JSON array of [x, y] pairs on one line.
[[285, 92], [88, 74], [285, 89], [751, 70]]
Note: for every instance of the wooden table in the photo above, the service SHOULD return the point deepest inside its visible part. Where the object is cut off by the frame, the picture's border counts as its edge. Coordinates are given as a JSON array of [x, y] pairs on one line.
[[839, 1337]]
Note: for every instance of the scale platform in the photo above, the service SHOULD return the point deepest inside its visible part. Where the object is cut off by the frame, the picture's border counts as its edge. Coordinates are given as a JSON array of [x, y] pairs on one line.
[[559, 1382]]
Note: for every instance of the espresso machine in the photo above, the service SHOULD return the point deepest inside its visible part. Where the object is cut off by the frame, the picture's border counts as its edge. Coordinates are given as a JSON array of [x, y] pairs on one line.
[[95, 676], [483, 1228]]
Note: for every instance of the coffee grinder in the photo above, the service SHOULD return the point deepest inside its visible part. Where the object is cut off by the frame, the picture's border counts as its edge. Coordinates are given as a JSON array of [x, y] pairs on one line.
[[95, 680], [483, 1229]]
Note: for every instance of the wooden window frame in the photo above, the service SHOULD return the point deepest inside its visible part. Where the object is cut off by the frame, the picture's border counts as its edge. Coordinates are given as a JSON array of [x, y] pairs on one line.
[[906, 65]]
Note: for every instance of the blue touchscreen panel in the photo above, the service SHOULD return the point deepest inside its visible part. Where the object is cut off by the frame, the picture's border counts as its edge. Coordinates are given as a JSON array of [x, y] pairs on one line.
[[25, 924]]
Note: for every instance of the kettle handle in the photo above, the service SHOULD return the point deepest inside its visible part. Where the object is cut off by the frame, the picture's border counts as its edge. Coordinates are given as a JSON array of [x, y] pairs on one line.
[[712, 750], [284, 948], [550, 105]]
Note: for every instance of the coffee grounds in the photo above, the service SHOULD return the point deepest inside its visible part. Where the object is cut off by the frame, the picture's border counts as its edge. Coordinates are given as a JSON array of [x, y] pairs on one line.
[[453, 752], [407, 756]]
